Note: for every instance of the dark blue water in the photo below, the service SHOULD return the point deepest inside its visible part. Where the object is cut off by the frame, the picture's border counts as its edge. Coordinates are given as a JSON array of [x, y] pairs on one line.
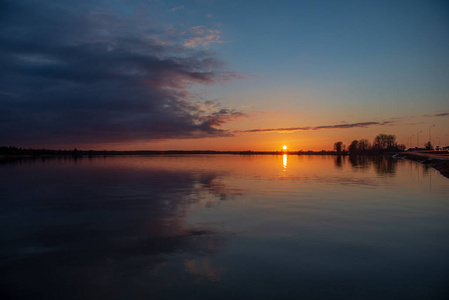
[[223, 227]]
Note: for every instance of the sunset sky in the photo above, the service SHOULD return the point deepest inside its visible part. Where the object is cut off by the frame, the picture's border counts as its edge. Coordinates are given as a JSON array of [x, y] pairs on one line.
[[222, 74]]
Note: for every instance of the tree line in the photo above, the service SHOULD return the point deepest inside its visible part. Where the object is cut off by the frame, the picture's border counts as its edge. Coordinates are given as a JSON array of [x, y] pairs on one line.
[[381, 143]]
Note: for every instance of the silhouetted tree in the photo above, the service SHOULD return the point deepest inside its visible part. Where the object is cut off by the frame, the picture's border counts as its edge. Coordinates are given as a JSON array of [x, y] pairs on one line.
[[428, 146], [384, 142], [364, 146], [338, 146], [353, 148]]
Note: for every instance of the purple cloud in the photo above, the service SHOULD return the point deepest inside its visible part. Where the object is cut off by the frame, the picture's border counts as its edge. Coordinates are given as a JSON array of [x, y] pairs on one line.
[[443, 114], [308, 128], [84, 74]]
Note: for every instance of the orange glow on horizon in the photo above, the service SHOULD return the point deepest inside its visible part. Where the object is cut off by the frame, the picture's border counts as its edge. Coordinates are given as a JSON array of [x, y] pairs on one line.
[[298, 141]]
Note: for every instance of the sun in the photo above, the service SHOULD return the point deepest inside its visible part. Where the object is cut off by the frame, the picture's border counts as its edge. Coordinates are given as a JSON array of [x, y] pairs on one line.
[[284, 147]]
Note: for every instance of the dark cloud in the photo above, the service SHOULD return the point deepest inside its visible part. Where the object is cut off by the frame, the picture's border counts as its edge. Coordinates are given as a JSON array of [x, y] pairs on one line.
[[83, 73], [307, 128], [443, 114]]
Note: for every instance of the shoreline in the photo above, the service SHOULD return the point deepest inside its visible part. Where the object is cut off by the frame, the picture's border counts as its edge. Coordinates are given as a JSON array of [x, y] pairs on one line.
[[440, 164], [91, 153]]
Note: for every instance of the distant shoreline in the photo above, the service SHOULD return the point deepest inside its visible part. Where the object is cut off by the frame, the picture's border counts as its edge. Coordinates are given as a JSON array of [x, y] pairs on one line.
[[13, 152], [17, 152], [435, 159], [91, 153]]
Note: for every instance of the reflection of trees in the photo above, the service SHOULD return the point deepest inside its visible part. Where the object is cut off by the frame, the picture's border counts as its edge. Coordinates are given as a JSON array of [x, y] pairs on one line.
[[385, 165], [359, 161], [425, 170], [338, 161], [102, 233], [381, 164]]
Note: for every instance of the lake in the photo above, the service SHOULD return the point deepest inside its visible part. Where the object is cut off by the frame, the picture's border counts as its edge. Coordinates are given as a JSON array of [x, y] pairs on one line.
[[223, 227]]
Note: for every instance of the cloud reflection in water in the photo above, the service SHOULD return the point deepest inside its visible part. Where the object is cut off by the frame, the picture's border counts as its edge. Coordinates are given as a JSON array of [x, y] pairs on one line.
[[99, 230]]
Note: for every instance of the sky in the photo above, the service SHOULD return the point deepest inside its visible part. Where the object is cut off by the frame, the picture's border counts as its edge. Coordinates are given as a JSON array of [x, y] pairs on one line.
[[222, 74]]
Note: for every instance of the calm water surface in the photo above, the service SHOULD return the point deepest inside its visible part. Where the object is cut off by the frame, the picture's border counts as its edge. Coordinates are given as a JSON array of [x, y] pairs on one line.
[[223, 227]]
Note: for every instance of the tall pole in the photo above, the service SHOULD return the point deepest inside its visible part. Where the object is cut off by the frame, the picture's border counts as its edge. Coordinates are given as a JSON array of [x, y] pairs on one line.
[[417, 136], [430, 139], [411, 141]]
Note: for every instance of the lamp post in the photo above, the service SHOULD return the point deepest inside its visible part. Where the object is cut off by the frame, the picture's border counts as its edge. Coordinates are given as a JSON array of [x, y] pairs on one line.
[[411, 141], [417, 137], [430, 139]]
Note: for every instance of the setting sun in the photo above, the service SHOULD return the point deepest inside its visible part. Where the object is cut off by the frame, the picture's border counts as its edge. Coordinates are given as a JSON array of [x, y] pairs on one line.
[[284, 147]]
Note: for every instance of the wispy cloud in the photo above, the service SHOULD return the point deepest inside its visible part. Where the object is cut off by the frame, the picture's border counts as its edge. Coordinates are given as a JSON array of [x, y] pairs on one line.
[[443, 114], [202, 36], [176, 8], [324, 127]]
